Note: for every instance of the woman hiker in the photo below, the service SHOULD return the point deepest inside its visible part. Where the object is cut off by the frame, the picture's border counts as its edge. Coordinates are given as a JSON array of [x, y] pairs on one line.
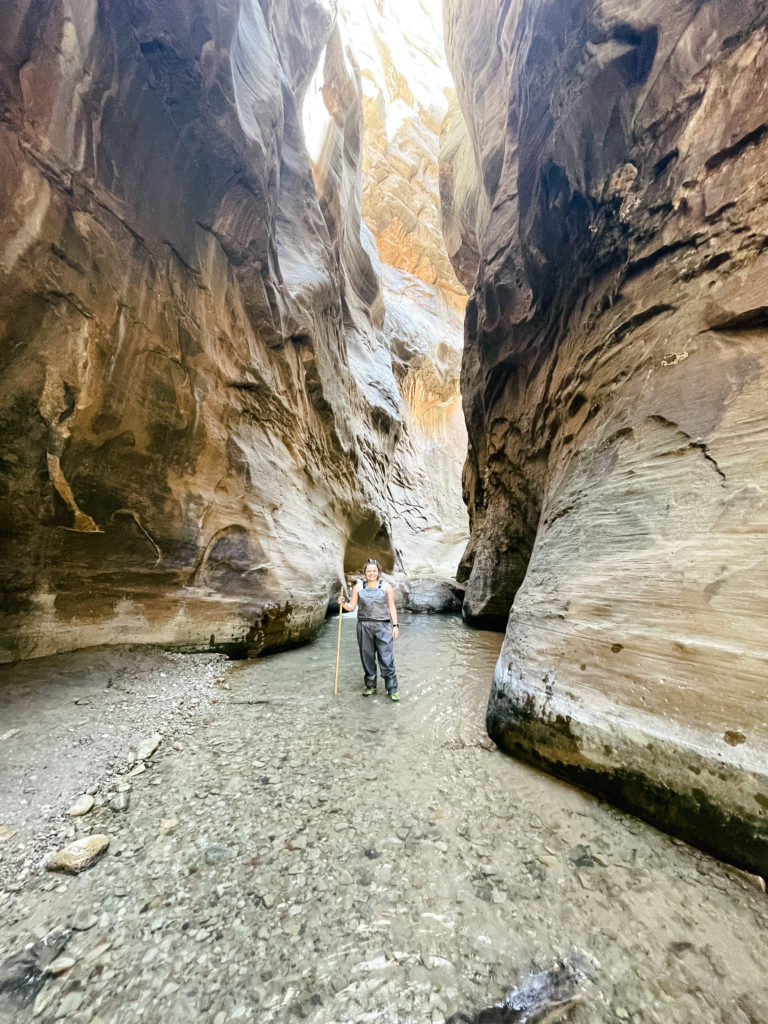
[[376, 628]]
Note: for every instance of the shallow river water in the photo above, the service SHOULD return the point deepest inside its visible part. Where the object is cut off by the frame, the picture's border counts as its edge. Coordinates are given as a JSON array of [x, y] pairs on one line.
[[336, 859]]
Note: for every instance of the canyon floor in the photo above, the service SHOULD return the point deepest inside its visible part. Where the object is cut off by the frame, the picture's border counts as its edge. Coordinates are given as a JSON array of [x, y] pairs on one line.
[[287, 854]]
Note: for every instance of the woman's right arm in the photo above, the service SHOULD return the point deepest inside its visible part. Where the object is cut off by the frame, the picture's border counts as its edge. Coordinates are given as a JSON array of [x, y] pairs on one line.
[[350, 607]]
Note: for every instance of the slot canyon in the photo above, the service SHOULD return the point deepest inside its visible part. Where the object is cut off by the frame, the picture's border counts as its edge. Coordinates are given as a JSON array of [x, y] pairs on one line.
[[476, 290]]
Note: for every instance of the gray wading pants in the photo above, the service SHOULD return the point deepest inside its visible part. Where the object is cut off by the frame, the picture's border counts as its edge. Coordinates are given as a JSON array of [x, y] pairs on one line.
[[375, 638]]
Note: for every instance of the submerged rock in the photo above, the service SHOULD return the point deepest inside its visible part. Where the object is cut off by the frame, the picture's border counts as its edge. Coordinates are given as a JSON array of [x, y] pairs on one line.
[[146, 747], [81, 806], [78, 855], [24, 974], [543, 998]]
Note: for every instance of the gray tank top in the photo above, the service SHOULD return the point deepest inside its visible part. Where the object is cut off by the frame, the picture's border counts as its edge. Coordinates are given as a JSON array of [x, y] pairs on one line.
[[374, 604]]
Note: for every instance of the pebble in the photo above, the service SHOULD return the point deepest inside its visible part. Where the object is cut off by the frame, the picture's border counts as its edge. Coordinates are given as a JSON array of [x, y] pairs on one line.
[[84, 920], [78, 855], [7, 832], [138, 769], [145, 748], [98, 951], [43, 1001], [218, 854], [71, 1002], [81, 806], [60, 965], [120, 801]]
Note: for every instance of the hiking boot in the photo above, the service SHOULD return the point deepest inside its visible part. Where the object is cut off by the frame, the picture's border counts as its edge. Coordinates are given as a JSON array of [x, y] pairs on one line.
[[370, 692], [394, 695]]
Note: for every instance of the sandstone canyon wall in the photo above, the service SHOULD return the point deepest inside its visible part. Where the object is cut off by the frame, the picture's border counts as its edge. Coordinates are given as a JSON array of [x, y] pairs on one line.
[[406, 87], [199, 412], [607, 186]]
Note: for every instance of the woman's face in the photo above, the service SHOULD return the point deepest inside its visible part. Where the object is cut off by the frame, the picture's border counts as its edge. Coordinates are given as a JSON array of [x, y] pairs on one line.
[[371, 573]]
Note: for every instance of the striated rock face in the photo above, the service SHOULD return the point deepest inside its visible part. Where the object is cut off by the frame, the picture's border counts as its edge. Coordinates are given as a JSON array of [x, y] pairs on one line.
[[429, 519], [198, 407], [406, 87], [614, 382]]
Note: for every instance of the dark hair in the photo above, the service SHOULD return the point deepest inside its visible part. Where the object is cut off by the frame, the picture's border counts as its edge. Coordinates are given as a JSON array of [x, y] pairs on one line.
[[372, 561]]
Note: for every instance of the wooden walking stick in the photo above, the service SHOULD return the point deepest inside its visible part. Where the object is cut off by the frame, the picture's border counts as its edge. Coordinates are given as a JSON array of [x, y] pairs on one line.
[[338, 643]]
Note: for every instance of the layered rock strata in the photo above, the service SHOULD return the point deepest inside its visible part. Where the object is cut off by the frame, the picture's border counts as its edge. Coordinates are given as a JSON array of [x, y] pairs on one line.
[[198, 405], [406, 87], [609, 186]]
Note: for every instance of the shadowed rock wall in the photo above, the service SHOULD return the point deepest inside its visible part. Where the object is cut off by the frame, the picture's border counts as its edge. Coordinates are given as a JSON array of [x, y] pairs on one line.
[[198, 409], [609, 184]]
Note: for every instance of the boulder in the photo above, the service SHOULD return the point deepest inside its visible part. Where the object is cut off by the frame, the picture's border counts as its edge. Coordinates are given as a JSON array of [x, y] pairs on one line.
[[428, 594]]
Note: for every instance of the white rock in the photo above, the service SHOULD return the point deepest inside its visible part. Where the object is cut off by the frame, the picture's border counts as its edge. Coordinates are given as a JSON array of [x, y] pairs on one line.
[[43, 1000], [145, 748], [60, 965], [81, 806]]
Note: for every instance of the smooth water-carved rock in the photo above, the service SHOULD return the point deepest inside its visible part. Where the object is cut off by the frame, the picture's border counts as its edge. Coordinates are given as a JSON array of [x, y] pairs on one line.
[[428, 594], [198, 407], [406, 86], [613, 382]]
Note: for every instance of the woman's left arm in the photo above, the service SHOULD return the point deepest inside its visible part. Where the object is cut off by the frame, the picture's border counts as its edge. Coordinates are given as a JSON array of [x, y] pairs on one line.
[[392, 609]]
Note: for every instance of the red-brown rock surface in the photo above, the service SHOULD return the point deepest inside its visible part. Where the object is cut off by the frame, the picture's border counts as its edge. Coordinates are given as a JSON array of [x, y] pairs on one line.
[[614, 380], [198, 407]]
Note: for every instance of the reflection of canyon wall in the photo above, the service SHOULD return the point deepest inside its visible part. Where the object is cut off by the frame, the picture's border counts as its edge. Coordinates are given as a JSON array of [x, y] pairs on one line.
[[198, 403], [611, 183]]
